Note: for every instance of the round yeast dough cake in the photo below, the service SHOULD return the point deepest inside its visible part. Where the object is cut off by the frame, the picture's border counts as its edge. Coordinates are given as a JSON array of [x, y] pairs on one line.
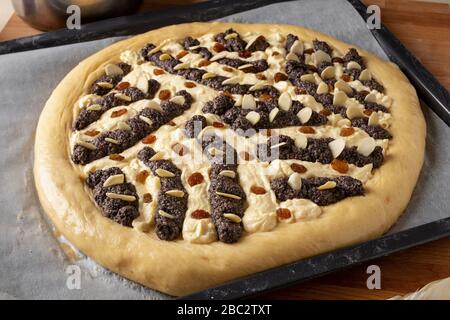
[[199, 153]]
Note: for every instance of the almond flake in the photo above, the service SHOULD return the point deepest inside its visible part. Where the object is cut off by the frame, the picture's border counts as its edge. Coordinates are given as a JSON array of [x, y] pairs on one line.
[[165, 214], [181, 66], [292, 56], [327, 185], [366, 146], [113, 70], [156, 49], [354, 111], [123, 126], [114, 180], [111, 140], [278, 145], [164, 173], [248, 102], [344, 123], [371, 97], [215, 152], [219, 56], [157, 156], [245, 66], [343, 86], [194, 47], [253, 117], [94, 107], [104, 84], [228, 195], [337, 146], [285, 101], [164, 56], [353, 65], [178, 100], [175, 193], [273, 114], [122, 96], [151, 104], [251, 41], [365, 75], [322, 88], [295, 181], [118, 196], [328, 73], [142, 84], [300, 141], [208, 75], [87, 145], [230, 36], [146, 120], [228, 173], [308, 78], [233, 217], [258, 86], [297, 47], [320, 56], [304, 114], [339, 98], [373, 119], [233, 80]]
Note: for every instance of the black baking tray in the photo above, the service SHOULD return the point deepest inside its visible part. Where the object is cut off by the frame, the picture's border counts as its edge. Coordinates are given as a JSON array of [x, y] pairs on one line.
[[429, 90]]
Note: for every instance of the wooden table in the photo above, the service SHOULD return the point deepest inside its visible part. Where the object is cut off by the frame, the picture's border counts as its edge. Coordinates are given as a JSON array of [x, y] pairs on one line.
[[425, 29]]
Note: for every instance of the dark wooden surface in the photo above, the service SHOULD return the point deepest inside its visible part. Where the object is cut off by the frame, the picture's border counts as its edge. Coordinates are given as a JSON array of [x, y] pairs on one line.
[[424, 28]]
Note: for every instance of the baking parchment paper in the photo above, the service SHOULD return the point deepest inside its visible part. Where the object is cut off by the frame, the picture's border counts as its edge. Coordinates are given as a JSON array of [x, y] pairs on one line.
[[32, 264]]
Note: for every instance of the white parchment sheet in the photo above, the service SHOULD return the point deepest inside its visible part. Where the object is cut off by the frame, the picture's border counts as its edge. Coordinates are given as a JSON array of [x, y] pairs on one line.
[[32, 264]]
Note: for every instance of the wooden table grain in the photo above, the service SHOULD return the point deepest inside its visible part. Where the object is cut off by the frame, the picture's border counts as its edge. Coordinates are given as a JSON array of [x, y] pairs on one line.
[[424, 28]]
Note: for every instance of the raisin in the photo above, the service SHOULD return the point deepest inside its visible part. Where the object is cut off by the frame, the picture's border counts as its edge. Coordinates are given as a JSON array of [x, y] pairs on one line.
[[307, 130], [311, 68], [325, 112], [308, 51], [172, 123], [142, 176], [283, 213], [164, 95], [245, 54], [345, 132], [195, 178], [245, 155], [368, 112], [116, 157], [217, 124], [298, 168], [200, 214], [188, 84], [265, 97], [204, 63], [158, 72], [280, 77], [346, 77], [218, 47], [118, 113], [275, 53], [149, 139], [122, 85], [92, 133], [339, 165], [260, 76], [337, 60], [147, 198], [180, 149], [257, 190], [227, 69], [181, 54]]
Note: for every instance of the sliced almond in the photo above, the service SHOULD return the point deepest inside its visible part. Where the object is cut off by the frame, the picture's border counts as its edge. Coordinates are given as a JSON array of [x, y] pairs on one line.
[[157, 156], [353, 111], [87, 145], [178, 100], [320, 56], [175, 193], [339, 98], [308, 77], [253, 117], [156, 49], [228, 173], [258, 86], [164, 56], [343, 86], [219, 56], [273, 114], [245, 66], [251, 41], [94, 107], [297, 47], [373, 119], [228, 195], [233, 80], [300, 141], [371, 97], [248, 102], [230, 36], [366, 146], [215, 152], [353, 65], [118, 196], [327, 185], [152, 104], [111, 140], [365, 75], [164, 214], [113, 70], [146, 120], [114, 180], [122, 96], [142, 84], [344, 123], [181, 66], [164, 173], [304, 114], [322, 88], [337, 146], [194, 47], [295, 181], [292, 56], [208, 75], [277, 145], [123, 126], [285, 101], [328, 73], [104, 84], [233, 217]]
